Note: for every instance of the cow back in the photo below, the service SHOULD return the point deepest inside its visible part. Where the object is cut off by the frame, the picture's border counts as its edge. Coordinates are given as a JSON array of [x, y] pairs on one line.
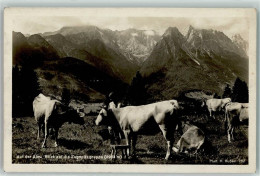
[[146, 118], [194, 137]]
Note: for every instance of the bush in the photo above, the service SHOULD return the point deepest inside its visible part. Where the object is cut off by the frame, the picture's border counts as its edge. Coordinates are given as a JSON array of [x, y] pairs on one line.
[[240, 91], [25, 88]]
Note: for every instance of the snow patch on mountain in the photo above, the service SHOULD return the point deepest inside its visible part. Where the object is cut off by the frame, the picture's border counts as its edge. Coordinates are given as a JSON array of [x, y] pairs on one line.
[[149, 32], [134, 34]]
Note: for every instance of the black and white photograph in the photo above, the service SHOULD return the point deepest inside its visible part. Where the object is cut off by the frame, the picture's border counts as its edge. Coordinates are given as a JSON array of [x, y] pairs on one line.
[[130, 87]]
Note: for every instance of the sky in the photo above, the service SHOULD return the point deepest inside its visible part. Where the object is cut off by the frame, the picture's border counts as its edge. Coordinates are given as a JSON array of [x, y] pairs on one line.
[[230, 26]]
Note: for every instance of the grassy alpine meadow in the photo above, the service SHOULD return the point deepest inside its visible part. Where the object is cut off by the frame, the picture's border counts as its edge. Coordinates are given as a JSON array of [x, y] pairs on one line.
[[84, 144]]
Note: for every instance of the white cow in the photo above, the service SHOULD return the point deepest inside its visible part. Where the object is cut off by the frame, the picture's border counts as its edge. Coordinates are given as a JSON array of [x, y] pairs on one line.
[[235, 113], [216, 105], [131, 119]]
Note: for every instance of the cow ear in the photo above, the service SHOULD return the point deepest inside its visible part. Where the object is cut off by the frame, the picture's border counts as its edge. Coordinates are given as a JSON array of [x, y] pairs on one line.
[[177, 127], [104, 106]]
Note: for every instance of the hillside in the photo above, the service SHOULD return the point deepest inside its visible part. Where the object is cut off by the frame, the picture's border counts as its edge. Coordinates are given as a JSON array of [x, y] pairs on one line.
[[85, 74], [79, 42], [33, 50]]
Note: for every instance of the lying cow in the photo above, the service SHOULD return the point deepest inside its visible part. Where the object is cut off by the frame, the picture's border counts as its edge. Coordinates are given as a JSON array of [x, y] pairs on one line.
[[51, 113], [215, 105], [191, 140], [235, 113], [131, 119]]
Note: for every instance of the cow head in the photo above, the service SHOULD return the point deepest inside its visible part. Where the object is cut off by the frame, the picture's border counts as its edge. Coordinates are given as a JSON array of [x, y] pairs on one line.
[[203, 102], [225, 101], [75, 116], [101, 116], [175, 104]]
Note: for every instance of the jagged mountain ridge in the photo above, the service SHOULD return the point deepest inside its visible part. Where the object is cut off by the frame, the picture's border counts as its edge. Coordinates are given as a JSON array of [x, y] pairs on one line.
[[32, 50], [179, 63], [203, 59], [135, 45], [211, 40]]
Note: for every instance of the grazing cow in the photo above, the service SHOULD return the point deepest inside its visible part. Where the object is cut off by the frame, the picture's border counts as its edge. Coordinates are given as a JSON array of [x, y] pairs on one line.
[[235, 113], [215, 105], [51, 113], [131, 119], [192, 138]]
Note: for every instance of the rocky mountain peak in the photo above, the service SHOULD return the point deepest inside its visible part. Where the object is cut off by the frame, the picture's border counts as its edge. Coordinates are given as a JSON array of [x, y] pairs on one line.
[[190, 30], [19, 36], [240, 42], [172, 31], [209, 40]]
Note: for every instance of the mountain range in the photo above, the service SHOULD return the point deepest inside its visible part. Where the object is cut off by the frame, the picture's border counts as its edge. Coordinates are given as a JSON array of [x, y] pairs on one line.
[[170, 63]]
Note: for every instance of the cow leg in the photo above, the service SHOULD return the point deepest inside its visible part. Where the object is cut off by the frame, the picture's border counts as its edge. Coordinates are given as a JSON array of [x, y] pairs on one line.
[[56, 137], [213, 113], [115, 154], [232, 133], [112, 152], [209, 112], [229, 133], [46, 134], [43, 130], [122, 151], [39, 131], [133, 143], [169, 139], [177, 148], [127, 138], [125, 151]]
